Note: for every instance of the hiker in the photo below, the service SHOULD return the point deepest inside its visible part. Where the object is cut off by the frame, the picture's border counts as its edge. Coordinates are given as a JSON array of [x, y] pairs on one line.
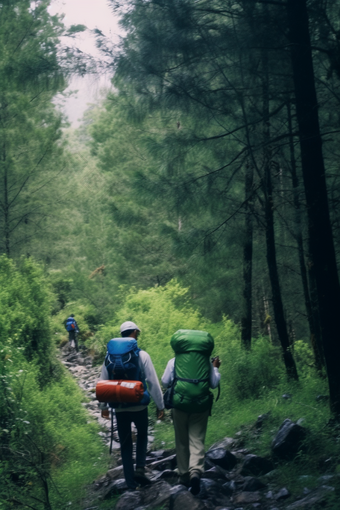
[[72, 327], [126, 414], [190, 375]]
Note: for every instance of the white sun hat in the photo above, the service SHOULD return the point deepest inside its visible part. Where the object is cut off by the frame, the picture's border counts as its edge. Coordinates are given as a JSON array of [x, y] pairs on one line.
[[128, 325]]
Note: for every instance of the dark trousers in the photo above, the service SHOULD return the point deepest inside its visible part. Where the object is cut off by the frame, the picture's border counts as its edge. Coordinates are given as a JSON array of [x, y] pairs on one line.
[[124, 420], [72, 335]]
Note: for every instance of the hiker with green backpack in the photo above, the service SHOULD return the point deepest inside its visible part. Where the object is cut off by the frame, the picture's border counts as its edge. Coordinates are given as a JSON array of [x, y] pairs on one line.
[[189, 377]]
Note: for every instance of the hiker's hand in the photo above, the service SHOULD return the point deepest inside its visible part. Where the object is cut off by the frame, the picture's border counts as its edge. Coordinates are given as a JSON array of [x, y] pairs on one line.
[[217, 362], [160, 414]]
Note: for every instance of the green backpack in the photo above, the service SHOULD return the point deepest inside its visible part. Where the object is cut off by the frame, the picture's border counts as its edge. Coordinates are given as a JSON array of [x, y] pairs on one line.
[[192, 370]]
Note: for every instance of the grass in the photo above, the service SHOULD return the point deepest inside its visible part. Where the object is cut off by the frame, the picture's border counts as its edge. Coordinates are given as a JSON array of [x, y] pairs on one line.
[[321, 451]]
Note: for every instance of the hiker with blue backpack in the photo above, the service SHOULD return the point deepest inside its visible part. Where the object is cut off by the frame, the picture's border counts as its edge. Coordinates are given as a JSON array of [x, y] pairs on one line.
[[72, 327], [127, 380], [188, 377]]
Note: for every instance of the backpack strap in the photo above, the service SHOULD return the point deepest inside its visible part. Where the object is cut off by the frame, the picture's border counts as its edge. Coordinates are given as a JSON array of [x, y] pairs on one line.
[[194, 381]]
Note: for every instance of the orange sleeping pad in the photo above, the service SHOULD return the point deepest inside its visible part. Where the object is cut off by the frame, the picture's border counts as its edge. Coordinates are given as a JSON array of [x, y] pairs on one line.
[[120, 391]]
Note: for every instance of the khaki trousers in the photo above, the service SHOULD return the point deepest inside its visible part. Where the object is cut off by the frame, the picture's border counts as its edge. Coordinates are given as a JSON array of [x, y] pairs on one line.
[[190, 431]]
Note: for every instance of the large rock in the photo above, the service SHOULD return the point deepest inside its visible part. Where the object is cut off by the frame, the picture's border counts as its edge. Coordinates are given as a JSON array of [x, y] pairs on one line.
[[152, 496], [114, 488], [156, 495], [185, 500], [252, 484], [220, 457], [214, 492], [115, 473], [129, 501], [288, 440], [254, 465]]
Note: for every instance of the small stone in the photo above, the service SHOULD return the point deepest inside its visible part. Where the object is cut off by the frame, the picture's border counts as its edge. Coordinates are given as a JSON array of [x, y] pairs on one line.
[[261, 419], [229, 487], [325, 478], [159, 454], [322, 398], [247, 497], [225, 443], [282, 494]]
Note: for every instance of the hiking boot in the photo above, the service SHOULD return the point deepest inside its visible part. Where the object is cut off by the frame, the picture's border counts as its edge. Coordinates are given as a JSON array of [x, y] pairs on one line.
[[195, 484], [141, 477], [184, 480]]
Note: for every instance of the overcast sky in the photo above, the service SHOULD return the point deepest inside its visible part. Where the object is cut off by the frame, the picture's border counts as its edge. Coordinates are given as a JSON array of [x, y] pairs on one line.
[[92, 14]]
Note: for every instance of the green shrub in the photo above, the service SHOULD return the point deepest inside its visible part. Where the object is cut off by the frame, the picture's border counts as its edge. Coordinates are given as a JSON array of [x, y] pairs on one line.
[[25, 313], [49, 449], [159, 312], [247, 374]]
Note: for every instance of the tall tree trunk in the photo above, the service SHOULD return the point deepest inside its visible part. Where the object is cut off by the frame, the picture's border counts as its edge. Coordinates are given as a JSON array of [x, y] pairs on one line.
[[274, 278], [246, 321], [321, 245], [312, 315], [270, 235]]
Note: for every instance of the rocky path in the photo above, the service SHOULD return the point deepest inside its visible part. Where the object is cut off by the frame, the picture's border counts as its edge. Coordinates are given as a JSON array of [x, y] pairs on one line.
[[234, 479]]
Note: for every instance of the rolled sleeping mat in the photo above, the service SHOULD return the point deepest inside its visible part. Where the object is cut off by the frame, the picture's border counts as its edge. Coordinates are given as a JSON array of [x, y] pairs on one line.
[[120, 391]]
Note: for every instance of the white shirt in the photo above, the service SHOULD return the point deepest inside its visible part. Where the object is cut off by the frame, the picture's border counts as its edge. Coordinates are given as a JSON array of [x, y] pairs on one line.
[[169, 375], [148, 373]]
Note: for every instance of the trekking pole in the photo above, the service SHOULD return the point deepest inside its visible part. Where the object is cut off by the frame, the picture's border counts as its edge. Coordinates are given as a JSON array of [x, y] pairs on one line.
[[218, 392], [111, 439]]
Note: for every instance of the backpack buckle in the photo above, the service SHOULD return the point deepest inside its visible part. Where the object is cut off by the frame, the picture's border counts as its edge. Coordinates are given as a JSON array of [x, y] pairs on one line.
[[195, 381]]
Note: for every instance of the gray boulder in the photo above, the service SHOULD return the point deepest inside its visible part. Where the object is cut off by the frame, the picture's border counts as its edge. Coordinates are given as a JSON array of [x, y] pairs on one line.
[[129, 501], [114, 488], [186, 500], [156, 495], [254, 465], [288, 440], [252, 484], [220, 457]]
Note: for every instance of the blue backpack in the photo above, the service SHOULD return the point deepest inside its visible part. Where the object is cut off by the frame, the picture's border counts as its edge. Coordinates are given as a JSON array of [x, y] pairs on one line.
[[122, 363], [70, 324]]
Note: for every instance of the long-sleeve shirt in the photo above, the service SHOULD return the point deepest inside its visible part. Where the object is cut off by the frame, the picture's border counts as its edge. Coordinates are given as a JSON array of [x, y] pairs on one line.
[[148, 373], [169, 375]]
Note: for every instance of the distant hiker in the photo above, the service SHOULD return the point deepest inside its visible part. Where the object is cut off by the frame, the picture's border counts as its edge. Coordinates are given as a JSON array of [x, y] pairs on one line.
[[190, 375], [124, 360], [72, 327]]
